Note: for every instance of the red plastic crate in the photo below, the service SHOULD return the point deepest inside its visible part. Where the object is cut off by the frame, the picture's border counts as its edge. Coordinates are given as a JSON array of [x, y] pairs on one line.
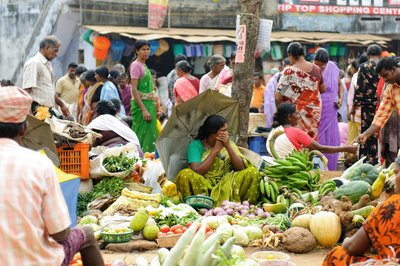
[[75, 160]]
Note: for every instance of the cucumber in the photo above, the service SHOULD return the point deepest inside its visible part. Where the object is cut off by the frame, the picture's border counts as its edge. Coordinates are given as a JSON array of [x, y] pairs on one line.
[[364, 211]]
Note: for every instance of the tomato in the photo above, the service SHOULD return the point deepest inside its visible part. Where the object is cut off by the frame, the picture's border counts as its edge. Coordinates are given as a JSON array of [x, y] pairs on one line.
[[188, 224], [165, 229], [208, 229], [170, 233], [179, 231], [184, 229], [178, 226]]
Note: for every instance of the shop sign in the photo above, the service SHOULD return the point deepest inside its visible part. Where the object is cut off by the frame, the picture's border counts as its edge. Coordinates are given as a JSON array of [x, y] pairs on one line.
[[241, 44], [346, 7], [157, 12]]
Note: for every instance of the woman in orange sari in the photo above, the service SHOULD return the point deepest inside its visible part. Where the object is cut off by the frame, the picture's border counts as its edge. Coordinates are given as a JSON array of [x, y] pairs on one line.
[[301, 83], [381, 230], [186, 86]]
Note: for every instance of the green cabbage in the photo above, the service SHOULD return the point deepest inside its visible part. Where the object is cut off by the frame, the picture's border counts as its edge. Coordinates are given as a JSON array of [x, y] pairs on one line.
[[226, 230], [238, 251], [253, 232], [215, 221], [241, 236], [88, 219]]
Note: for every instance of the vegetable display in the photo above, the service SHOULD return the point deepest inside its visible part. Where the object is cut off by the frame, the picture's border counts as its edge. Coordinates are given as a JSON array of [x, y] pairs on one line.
[[120, 163]]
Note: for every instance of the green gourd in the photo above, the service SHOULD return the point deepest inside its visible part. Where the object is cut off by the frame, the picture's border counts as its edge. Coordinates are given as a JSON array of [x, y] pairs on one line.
[[354, 190], [364, 172]]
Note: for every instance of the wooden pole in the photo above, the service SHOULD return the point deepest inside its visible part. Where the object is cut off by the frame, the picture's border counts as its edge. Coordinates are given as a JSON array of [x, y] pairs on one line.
[[242, 87]]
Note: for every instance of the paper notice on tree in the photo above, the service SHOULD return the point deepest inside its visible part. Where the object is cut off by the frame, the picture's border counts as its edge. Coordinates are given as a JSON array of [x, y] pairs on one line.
[[241, 44], [264, 35]]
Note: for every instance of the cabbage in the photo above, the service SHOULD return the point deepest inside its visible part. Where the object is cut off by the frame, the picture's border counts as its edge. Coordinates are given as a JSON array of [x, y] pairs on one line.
[[215, 221], [253, 232], [226, 230], [241, 236], [88, 219], [238, 251]]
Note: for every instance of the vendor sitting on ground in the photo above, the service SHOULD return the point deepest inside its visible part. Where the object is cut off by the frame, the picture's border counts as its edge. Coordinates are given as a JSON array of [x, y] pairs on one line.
[[34, 220], [286, 119], [114, 131], [381, 230], [217, 168]]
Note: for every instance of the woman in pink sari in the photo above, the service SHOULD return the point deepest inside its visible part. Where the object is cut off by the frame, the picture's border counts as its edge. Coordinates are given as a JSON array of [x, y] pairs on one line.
[[328, 132], [186, 86], [301, 83]]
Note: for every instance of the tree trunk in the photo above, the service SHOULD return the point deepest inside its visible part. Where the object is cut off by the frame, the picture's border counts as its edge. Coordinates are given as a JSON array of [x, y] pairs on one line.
[[242, 87]]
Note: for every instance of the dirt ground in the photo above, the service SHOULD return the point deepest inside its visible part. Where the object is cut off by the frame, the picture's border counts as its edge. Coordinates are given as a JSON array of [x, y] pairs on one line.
[[313, 258]]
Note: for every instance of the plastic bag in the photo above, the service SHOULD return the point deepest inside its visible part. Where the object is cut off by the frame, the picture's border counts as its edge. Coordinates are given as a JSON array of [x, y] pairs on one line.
[[96, 165], [150, 176], [353, 130]]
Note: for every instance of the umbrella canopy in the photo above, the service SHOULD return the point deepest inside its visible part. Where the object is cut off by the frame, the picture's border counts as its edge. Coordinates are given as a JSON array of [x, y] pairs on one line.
[[39, 136], [184, 123]]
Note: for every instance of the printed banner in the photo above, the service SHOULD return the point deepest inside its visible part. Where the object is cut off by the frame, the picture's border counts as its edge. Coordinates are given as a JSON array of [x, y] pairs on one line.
[[385, 11], [157, 13]]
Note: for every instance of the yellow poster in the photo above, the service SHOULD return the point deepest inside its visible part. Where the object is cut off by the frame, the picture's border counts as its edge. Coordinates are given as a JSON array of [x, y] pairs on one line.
[[157, 13]]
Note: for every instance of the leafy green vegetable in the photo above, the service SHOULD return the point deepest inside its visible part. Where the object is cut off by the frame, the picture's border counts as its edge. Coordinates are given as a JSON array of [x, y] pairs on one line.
[[111, 185], [280, 220], [84, 199], [164, 201], [120, 163]]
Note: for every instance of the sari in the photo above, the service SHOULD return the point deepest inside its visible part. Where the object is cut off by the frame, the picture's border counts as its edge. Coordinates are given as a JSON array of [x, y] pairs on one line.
[[302, 89], [383, 230], [145, 130], [221, 182], [184, 90], [328, 131], [88, 108]]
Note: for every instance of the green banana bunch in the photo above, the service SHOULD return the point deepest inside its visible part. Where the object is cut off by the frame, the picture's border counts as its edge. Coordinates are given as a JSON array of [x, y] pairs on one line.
[[326, 187], [269, 191]]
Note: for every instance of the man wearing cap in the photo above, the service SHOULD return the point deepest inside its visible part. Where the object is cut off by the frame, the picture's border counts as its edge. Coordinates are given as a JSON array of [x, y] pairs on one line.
[[38, 78], [34, 219]]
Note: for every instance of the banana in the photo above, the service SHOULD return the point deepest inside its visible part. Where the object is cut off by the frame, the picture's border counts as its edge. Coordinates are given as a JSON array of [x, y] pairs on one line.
[[267, 189], [275, 187], [300, 157], [283, 162], [262, 188], [291, 169], [294, 159], [297, 191], [273, 196], [299, 176], [273, 171], [301, 165], [310, 166]]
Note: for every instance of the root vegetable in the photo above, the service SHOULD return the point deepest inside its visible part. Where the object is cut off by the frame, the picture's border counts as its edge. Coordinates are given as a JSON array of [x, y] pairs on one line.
[[298, 240]]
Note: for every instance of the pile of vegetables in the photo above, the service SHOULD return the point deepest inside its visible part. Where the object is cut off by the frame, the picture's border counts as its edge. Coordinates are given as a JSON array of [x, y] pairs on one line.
[[119, 163], [193, 248], [236, 210]]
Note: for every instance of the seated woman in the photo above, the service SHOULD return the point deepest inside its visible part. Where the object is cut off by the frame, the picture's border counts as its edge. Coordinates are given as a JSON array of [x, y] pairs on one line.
[[216, 167], [381, 230], [113, 130], [285, 120]]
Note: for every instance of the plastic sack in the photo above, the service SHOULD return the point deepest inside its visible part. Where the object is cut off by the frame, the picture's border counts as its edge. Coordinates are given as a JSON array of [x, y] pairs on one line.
[[353, 130], [96, 165], [128, 203], [150, 176]]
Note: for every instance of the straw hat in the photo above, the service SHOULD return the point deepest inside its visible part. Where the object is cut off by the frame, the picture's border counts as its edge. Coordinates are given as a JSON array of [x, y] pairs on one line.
[[164, 46]]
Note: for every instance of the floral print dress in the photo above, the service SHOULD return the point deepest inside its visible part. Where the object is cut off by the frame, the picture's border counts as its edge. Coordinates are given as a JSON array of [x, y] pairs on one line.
[[383, 230]]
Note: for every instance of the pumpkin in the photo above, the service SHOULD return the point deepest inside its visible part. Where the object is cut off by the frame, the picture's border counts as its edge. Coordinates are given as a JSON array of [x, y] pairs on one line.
[[302, 221], [326, 228], [364, 172], [354, 190]]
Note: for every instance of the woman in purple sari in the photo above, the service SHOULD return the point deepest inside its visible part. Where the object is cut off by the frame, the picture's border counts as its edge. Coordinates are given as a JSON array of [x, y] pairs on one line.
[[328, 132]]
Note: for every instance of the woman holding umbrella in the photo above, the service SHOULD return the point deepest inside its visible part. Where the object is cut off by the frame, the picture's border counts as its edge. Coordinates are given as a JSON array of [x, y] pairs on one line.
[[143, 107], [216, 167]]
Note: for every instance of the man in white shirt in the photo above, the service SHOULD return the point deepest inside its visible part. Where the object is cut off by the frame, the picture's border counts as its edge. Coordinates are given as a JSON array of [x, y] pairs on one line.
[[38, 78]]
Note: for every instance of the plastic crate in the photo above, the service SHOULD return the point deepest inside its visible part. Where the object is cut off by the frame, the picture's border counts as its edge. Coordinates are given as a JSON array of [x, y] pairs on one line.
[[75, 160], [258, 145]]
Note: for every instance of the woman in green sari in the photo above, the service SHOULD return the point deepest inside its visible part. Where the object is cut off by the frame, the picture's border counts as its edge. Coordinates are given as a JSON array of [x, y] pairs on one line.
[[143, 106], [217, 168]]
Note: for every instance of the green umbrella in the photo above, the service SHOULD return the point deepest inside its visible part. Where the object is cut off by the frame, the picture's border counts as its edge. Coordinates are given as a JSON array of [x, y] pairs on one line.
[[184, 123]]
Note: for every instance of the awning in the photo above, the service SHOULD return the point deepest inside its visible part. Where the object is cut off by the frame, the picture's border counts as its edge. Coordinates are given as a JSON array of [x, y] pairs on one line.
[[213, 35]]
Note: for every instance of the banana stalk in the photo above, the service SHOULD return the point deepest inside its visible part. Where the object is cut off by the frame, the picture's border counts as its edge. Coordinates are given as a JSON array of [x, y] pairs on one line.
[[271, 143]]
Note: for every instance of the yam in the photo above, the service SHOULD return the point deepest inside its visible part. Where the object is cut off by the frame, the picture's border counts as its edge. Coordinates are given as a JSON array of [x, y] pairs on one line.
[[298, 240]]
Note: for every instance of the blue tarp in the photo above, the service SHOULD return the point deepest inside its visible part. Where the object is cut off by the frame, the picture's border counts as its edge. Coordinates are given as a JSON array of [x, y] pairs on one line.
[[70, 190]]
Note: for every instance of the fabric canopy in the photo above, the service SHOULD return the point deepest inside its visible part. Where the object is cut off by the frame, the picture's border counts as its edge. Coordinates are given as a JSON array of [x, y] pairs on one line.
[[212, 35]]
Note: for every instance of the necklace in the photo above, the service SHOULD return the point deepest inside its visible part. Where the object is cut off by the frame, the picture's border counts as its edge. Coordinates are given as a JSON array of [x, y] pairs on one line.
[[205, 144]]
